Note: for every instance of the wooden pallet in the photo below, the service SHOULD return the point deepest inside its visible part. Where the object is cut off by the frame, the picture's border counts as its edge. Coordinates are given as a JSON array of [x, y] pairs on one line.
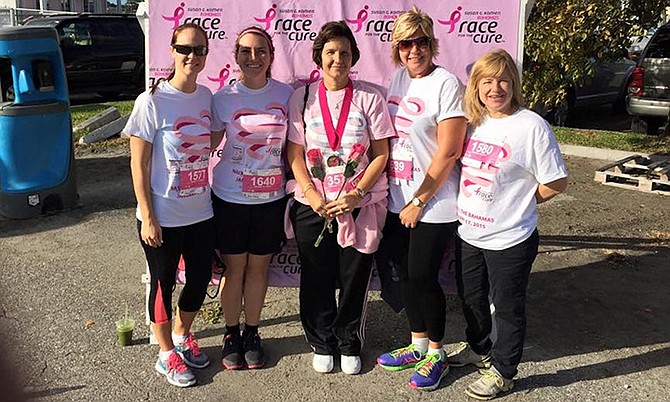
[[636, 172]]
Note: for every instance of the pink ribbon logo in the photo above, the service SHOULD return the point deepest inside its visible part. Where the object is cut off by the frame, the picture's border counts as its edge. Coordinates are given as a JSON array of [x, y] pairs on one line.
[[411, 107], [177, 15], [270, 15], [223, 76], [453, 19], [196, 139], [261, 128], [360, 18], [313, 77]]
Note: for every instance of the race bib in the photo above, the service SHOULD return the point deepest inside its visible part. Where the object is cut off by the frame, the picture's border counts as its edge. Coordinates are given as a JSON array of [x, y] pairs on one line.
[[334, 179], [401, 167], [193, 178], [482, 152], [261, 183]]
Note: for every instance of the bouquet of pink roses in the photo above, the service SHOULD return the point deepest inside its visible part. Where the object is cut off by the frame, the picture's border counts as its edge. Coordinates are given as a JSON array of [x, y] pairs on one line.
[[318, 171]]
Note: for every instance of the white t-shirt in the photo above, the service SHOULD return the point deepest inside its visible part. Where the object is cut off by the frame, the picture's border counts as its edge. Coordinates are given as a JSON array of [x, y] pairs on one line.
[[177, 125], [368, 120], [504, 160], [417, 105], [251, 170]]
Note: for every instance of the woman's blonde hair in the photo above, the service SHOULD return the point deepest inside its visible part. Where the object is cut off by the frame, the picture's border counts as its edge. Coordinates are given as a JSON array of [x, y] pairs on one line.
[[405, 25], [495, 63]]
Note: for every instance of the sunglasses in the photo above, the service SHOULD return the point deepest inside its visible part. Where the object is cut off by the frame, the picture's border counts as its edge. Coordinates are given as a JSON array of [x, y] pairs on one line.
[[186, 50], [421, 42]]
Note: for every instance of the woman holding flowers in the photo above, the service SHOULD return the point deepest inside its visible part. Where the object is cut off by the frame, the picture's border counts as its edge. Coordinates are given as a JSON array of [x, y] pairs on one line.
[[425, 101], [337, 149]]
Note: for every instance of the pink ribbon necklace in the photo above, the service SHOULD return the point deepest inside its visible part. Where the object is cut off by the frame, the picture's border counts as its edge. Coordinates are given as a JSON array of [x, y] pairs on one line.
[[335, 134]]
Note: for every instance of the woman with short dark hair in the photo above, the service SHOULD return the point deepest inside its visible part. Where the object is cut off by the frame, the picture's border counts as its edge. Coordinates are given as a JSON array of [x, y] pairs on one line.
[[337, 149]]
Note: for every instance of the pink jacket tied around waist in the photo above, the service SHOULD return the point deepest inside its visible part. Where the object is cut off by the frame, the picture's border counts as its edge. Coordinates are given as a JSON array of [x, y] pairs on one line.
[[364, 233]]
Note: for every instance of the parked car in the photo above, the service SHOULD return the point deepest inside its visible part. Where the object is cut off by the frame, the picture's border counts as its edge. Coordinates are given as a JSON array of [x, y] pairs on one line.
[[648, 98], [103, 53], [607, 87]]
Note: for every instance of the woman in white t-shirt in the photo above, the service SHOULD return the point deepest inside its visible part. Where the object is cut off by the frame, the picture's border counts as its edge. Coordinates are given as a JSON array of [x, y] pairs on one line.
[[248, 191], [511, 162], [169, 131], [337, 149], [425, 101]]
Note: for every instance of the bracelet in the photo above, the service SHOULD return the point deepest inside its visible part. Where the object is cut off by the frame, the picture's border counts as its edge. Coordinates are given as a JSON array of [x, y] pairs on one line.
[[308, 187], [360, 192]]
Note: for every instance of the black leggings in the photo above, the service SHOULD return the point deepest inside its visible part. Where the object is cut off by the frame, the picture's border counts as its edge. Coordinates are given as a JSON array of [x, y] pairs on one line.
[[196, 243], [420, 252]]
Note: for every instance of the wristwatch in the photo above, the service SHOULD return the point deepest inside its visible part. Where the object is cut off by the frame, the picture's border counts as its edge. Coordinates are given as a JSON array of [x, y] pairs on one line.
[[416, 201], [360, 192]]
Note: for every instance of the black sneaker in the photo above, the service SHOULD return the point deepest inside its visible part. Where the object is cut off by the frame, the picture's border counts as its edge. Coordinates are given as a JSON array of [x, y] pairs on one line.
[[253, 351], [231, 352]]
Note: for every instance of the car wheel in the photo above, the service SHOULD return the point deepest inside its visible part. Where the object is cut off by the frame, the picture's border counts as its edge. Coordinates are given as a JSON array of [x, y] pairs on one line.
[[558, 115], [646, 125]]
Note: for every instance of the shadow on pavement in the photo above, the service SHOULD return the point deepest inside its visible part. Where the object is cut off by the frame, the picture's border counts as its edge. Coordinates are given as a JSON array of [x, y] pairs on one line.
[[51, 392], [616, 303]]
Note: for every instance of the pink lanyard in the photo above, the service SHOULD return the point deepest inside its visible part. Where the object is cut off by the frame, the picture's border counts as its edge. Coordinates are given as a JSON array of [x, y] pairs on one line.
[[335, 135]]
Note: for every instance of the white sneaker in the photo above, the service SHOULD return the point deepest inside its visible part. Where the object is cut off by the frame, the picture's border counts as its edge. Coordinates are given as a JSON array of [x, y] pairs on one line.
[[350, 364], [322, 363]]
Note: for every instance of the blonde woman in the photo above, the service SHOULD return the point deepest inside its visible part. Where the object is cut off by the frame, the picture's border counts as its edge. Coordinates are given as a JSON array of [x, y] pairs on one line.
[[511, 163], [425, 102]]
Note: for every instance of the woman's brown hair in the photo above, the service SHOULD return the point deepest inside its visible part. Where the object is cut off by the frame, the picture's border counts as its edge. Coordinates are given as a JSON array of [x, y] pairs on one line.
[[173, 40]]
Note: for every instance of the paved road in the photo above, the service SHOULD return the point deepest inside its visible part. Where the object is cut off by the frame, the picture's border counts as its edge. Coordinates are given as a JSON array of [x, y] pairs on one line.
[[599, 317]]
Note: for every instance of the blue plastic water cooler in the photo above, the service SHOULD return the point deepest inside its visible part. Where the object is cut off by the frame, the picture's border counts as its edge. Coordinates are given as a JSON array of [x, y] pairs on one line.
[[36, 150]]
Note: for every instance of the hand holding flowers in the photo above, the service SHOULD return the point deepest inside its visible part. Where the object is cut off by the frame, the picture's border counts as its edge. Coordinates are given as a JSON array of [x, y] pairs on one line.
[[340, 205]]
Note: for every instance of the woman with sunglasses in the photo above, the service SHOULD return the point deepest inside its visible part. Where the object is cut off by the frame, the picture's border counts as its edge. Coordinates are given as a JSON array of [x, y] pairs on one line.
[[169, 131], [248, 191], [337, 149], [425, 101]]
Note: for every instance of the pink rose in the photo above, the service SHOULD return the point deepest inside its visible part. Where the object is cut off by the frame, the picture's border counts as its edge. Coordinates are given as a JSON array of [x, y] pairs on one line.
[[314, 157], [357, 152]]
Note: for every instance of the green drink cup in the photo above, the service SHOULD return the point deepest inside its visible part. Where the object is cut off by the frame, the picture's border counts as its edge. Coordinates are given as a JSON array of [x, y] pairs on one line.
[[124, 330]]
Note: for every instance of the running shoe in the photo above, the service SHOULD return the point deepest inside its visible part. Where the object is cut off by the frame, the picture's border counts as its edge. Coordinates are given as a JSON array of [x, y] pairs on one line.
[[231, 352], [254, 355], [429, 372], [400, 359], [191, 353], [176, 371]]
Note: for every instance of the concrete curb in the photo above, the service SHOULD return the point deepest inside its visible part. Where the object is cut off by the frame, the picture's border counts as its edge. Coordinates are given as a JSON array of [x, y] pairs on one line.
[[596, 153]]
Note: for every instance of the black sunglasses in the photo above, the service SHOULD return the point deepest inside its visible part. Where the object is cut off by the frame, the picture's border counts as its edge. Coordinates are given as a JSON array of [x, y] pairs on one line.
[[186, 50], [420, 42]]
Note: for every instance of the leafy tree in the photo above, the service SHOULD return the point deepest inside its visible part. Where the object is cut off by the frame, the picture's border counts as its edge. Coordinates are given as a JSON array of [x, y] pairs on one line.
[[563, 37]]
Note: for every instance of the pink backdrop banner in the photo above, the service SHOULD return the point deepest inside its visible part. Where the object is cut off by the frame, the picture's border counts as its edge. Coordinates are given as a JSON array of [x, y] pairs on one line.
[[464, 28]]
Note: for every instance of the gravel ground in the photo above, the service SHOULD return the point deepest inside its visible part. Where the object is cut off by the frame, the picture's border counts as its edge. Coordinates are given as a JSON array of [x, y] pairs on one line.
[[598, 309]]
